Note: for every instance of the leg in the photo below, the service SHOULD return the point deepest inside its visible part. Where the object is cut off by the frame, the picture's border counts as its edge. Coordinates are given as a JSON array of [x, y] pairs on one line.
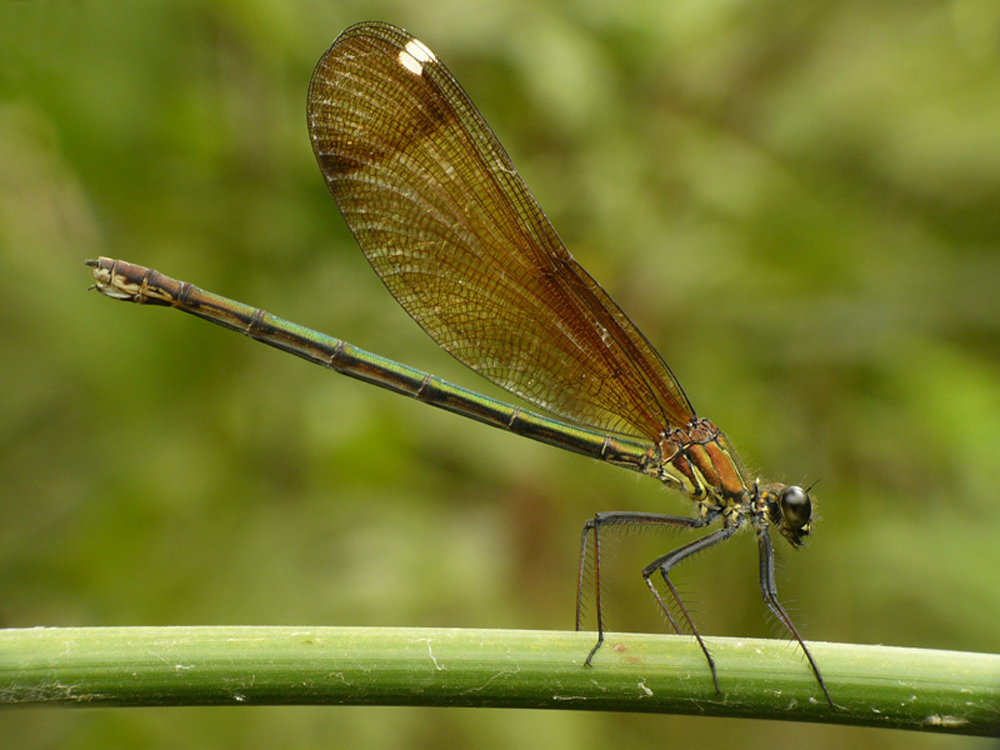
[[770, 591], [664, 565], [622, 518]]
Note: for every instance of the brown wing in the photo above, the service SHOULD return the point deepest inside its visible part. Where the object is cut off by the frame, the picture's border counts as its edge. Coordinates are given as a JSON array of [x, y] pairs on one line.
[[450, 227]]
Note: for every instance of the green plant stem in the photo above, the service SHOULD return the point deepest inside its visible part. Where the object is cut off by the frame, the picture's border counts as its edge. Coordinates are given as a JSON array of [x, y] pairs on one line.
[[872, 685]]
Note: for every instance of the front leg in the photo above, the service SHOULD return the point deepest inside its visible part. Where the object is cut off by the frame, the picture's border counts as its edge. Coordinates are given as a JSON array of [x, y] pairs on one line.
[[769, 589]]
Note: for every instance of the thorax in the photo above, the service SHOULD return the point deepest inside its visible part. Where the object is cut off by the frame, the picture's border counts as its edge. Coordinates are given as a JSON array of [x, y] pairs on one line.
[[699, 460]]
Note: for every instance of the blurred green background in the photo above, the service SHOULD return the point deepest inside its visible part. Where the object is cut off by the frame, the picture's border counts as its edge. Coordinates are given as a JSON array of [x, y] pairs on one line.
[[798, 204]]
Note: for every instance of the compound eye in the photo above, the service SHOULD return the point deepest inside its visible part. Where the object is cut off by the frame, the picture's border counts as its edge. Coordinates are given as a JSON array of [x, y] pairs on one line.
[[796, 508]]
